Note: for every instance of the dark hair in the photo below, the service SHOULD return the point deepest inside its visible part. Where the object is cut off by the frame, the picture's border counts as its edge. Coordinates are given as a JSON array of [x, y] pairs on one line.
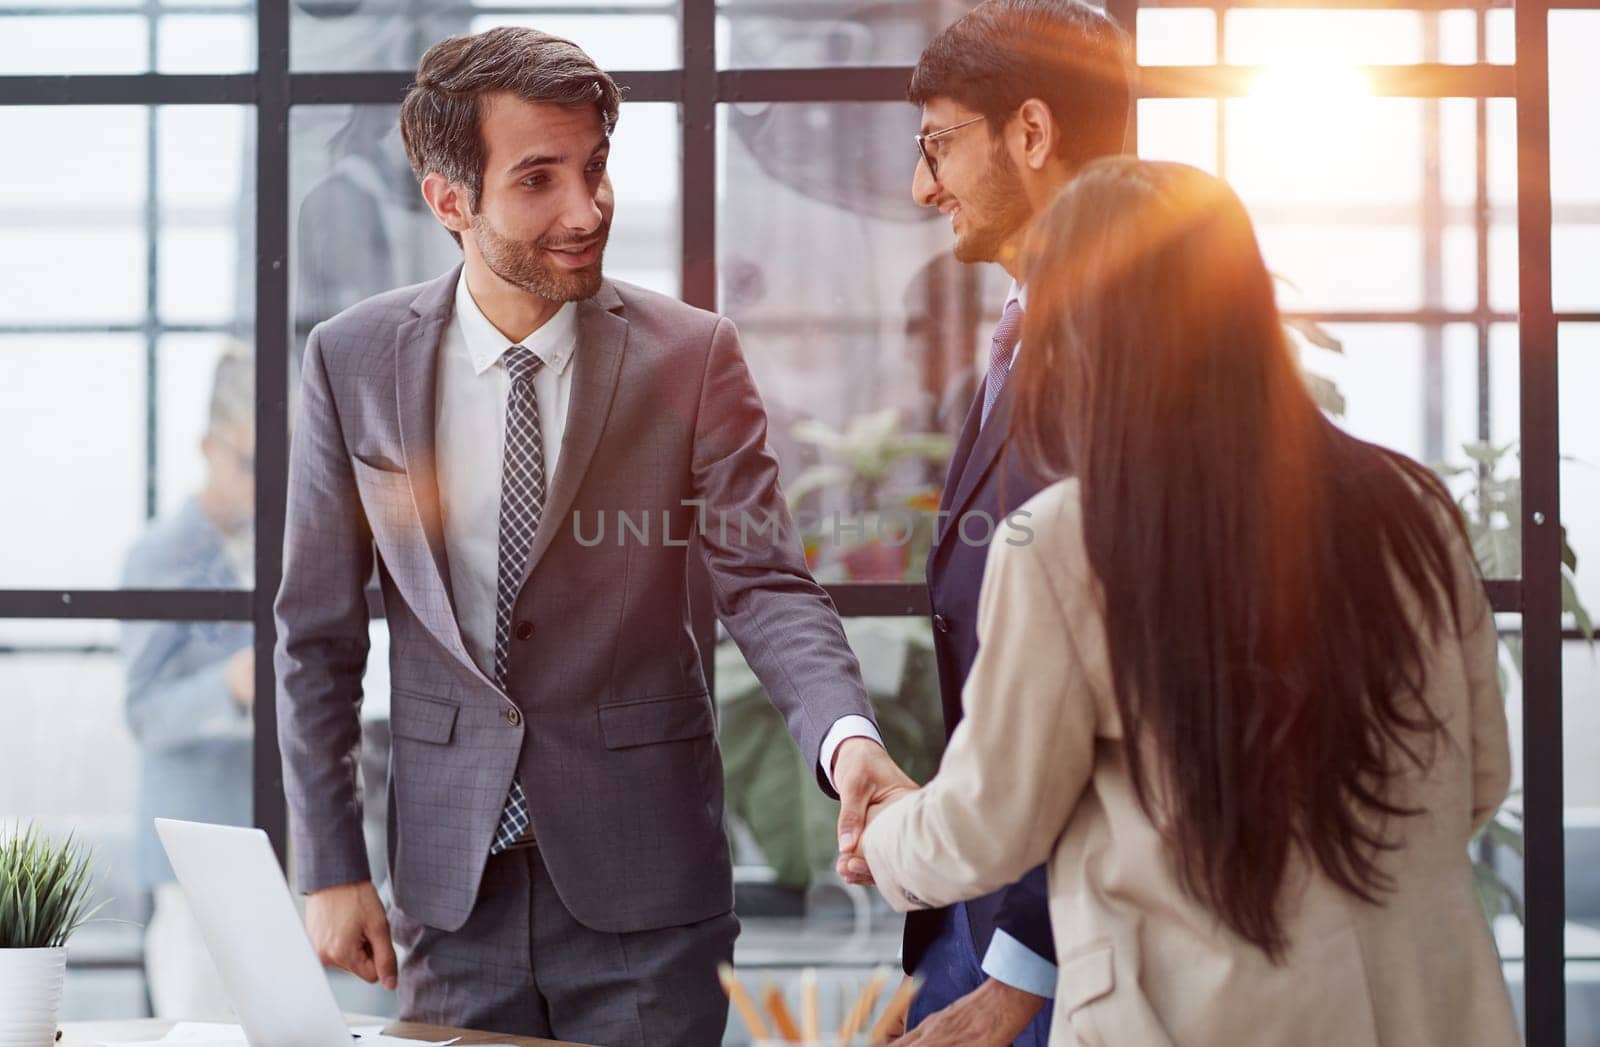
[[1063, 52], [439, 119], [1269, 581]]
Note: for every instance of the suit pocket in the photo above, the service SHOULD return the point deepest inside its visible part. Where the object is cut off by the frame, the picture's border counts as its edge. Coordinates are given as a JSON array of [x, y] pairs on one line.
[[421, 719], [645, 722], [1086, 978], [386, 499], [379, 463], [1099, 1014]]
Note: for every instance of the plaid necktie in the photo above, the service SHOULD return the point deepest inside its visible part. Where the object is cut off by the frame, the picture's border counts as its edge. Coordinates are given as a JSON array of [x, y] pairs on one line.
[[1001, 348], [521, 502]]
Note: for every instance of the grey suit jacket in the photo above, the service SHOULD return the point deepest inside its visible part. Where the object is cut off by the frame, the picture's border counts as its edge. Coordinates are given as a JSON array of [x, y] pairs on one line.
[[607, 718]]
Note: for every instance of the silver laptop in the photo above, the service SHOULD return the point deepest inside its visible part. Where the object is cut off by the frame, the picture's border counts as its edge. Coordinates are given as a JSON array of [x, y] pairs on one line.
[[254, 933]]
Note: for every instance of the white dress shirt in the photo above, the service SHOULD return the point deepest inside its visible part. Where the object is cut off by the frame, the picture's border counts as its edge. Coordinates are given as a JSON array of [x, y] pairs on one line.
[[470, 423]]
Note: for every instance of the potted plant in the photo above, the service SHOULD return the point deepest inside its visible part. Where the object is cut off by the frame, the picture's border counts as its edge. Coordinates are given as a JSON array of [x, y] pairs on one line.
[[1492, 507], [45, 894], [894, 525]]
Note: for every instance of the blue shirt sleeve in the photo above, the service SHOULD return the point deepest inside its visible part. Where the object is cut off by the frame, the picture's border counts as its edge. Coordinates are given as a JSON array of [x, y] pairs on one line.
[[1013, 963]]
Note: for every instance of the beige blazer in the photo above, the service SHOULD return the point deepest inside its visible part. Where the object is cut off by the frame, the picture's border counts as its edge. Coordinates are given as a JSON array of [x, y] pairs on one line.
[[1036, 772]]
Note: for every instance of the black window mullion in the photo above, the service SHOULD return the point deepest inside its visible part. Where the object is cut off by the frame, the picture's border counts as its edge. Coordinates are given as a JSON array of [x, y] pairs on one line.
[[1541, 543], [697, 203], [129, 89], [199, 605], [272, 416]]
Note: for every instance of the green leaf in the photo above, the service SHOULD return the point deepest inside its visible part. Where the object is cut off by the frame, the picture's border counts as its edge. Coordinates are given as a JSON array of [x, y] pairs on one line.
[[816, 478], [862, 457], [1316, 334], [45, 890], [1570, 604], [1489, 894], [817, 434], [1326, 394], [1504, 835], [1569, 559], [933, 446]]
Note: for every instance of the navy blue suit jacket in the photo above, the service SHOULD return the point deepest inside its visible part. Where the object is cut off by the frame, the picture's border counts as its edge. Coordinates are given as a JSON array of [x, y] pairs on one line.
[[987, 481]]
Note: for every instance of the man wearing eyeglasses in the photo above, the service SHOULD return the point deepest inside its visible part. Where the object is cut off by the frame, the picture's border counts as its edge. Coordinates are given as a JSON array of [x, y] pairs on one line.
[[1016, 96]]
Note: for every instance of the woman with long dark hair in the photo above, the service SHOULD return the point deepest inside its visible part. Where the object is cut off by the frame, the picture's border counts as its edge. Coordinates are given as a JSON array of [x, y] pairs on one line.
[[1239, 689]]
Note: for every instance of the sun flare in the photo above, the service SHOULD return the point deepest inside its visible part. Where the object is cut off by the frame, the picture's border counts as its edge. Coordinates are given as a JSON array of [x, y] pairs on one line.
[[1311, 89]]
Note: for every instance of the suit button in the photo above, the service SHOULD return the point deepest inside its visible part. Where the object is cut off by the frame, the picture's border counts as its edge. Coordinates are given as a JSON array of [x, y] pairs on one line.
[[514, 716], [941, 623], [524, 630]]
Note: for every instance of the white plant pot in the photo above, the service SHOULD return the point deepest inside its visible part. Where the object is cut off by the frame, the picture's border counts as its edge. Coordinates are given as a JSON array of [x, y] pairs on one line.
[[30, 995]]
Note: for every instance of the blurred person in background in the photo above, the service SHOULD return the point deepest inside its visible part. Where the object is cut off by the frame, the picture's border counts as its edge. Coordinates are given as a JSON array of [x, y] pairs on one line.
[[363, 227], [191, 685], [1240, 691]]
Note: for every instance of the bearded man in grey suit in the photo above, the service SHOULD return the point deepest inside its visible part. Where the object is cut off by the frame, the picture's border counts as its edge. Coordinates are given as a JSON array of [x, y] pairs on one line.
[[556, 844]]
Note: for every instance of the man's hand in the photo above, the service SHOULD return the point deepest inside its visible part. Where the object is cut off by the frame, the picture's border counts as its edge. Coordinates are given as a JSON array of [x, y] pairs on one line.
[[349, 929], [866, 776], [992, 1015]]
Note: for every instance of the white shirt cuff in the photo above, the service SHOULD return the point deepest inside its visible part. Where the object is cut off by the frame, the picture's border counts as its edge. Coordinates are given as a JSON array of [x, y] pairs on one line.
[[851, 726], [1018, 966]]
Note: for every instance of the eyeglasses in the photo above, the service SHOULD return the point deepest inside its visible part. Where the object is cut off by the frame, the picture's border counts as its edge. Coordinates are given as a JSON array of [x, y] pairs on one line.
[[924, 139]]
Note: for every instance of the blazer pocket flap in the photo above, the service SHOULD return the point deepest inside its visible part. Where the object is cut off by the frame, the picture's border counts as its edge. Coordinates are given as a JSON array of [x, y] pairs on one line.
[[377, 463], [421, 719], [656, 720], [1086, 977]]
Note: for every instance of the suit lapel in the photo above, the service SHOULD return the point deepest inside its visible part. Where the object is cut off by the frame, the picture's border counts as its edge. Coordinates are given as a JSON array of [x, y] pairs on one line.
[[597, 363], [986, 448], [958, 462], [416, 388]]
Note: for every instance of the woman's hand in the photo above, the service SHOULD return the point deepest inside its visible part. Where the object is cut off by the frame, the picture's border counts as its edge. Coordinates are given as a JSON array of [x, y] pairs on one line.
[[853, 866], [889, 796]]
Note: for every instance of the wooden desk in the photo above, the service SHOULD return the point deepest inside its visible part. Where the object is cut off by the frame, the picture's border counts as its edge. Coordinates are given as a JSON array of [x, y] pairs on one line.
[[88, 1034]]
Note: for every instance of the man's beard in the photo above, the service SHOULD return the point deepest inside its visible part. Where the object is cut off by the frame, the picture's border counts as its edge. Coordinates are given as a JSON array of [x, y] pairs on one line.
[[995, 210], [522, 263]]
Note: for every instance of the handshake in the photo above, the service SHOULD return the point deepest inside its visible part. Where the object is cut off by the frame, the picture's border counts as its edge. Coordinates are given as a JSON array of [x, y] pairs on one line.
[[868, 780]]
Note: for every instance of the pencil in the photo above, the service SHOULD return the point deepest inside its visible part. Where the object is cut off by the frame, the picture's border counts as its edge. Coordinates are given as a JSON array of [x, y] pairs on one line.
[[778, 1011], [741, 1001], [894, 1010], [810, 1028], [864, 1004]]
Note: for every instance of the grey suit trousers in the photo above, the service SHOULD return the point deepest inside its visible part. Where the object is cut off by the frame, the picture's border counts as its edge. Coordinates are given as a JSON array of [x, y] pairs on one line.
[[522, 965]]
